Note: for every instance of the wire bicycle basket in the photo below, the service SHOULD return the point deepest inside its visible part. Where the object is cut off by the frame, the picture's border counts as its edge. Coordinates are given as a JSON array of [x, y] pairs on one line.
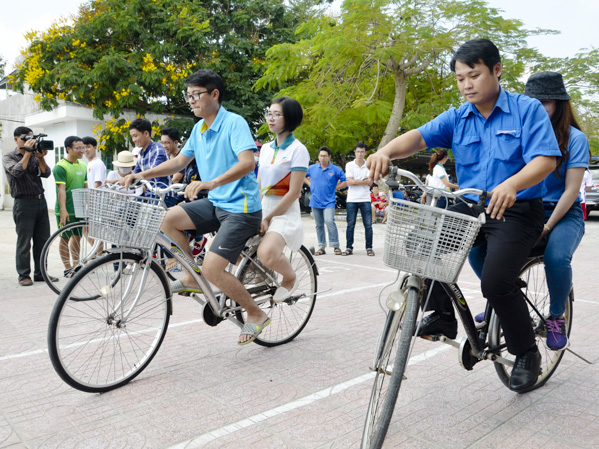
[[123, 219], [80, 197], [428, 241]]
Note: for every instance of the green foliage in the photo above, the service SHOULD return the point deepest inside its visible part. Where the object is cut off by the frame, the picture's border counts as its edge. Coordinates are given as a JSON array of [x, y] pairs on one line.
[[382, 66], [136, 54]]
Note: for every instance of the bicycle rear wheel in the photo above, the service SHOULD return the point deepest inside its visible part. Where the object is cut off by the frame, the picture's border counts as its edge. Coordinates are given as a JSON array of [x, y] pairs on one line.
[[92, 345], [289, 317], [68, 248], [395, 340], [534, 286]]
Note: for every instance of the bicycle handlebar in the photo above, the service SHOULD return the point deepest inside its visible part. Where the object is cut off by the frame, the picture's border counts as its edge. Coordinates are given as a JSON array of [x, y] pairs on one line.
[[394, 172]]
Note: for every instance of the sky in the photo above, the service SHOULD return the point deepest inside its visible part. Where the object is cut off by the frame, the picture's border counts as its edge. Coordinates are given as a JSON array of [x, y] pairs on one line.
[[575, 21]]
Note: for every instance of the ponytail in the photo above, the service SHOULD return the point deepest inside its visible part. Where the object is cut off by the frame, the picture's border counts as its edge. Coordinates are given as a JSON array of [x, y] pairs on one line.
[[435, 158]]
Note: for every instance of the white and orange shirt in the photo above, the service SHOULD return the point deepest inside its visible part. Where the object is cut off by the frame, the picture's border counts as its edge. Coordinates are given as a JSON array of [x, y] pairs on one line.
[[277, 163]]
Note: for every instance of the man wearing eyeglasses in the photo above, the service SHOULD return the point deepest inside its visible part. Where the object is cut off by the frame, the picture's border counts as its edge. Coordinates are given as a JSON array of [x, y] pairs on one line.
[[223, 147], [24, 169], [69, 174]]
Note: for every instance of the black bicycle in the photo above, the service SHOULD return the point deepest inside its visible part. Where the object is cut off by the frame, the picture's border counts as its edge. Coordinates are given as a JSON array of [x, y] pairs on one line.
[[431, 243]]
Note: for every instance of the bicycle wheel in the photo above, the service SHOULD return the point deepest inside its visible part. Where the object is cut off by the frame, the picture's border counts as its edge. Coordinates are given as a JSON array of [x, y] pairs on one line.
[[93, 346], [534, 286], [289, 317], [395, 339], [71, 251]]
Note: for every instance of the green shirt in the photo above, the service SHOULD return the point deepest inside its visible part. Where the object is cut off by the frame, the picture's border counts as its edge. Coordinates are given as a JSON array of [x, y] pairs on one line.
[[73, 176]]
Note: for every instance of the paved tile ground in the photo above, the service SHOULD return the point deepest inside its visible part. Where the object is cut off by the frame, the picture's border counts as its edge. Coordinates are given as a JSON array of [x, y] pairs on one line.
[[203, 391]]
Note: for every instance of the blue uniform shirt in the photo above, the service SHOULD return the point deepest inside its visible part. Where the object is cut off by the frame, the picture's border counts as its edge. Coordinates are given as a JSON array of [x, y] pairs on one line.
[[487, 152], [578, 149], [216, 150], [323, 183]]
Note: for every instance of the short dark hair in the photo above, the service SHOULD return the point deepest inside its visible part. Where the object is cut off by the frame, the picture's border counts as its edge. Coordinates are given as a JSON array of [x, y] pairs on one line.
[[476, 51], [327, 149], [69, 141], [208, 79], [292, 111], [21, 130], [172, 134], [141, 124], [87, 140], [361, 145], [373, 185]]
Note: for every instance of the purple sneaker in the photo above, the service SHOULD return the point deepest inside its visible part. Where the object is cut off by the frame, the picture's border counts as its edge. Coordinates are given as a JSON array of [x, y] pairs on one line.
[[480, 317], [556, 333]]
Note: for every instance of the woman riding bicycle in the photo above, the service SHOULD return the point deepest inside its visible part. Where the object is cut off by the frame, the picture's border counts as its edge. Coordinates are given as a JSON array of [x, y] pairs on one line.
[[283, 165]]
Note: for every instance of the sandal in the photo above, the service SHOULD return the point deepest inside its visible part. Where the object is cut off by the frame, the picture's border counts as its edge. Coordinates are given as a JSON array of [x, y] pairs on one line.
[[252, 329], [320, 252], [337, 252], [370, 252], [347, 252]]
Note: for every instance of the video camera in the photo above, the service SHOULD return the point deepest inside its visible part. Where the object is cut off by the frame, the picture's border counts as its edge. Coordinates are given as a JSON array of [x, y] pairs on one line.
[[40, 143]]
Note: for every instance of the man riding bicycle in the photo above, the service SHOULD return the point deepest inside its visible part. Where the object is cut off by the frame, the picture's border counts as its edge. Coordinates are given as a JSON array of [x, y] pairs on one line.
[[223, 147], [502, 142]]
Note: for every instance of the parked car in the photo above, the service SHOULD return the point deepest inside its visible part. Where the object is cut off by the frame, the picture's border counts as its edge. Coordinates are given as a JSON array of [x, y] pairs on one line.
[[593, 194]]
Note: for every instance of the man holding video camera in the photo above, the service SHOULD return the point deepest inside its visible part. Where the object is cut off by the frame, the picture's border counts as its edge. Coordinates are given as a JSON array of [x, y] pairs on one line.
[[24, 167]]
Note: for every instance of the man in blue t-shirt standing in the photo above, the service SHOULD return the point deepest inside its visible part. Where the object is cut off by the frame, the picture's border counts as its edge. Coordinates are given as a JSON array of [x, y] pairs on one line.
[[504, 143], [324, 180], [223, 147]]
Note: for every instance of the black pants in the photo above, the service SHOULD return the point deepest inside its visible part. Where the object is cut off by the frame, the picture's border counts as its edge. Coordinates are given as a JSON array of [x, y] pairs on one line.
[[509, 243], [31, 220]]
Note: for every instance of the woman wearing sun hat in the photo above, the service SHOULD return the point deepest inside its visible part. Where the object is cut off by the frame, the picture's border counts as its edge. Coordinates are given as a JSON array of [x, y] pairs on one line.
[[564, 221]]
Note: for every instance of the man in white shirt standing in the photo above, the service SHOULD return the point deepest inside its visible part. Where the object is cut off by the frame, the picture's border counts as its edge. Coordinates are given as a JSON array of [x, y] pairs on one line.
[[358, 198], [96, 170]]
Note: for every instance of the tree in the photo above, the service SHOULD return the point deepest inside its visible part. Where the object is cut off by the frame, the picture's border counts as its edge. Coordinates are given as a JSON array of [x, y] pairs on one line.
[[355, 75], [135, 55]]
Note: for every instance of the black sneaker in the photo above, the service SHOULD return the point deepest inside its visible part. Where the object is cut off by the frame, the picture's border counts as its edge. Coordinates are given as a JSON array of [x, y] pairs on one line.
[[527, 368], [438, 323]]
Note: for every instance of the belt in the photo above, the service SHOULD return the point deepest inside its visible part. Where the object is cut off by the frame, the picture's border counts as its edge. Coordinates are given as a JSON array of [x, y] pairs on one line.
[[31, 197]]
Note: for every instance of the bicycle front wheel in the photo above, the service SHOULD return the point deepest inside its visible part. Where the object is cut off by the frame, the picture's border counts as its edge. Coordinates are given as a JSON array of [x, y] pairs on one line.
[[289, 317], [533, 283], [108, 323], [65, 252], [396, 339]]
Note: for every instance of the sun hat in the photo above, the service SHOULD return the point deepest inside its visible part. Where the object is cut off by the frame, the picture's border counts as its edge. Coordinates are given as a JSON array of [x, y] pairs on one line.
[[124, 159], [546, 86]]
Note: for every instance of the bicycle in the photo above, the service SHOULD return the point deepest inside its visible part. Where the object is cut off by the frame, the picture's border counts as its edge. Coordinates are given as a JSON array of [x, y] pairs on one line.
[[60, 263], [111, 318], [432, 243]]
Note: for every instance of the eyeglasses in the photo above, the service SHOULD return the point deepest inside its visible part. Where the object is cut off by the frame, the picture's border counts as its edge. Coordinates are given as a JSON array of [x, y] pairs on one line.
[[196, 95], [272, 116]]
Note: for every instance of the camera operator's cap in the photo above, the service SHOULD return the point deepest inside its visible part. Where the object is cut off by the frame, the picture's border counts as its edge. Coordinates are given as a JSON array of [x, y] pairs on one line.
[[124, 159], [546, 86]]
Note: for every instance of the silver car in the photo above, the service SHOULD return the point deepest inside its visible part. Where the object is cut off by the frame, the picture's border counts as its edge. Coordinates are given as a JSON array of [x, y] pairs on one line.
[[593, 194]]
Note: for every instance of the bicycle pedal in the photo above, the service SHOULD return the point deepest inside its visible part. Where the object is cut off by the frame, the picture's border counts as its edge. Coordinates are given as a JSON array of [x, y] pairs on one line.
[[431, 337]]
